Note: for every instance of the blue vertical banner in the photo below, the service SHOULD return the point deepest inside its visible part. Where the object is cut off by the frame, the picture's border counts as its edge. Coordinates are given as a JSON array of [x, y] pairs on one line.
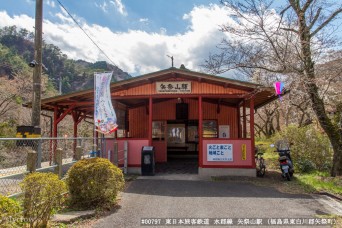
[[104, 114]]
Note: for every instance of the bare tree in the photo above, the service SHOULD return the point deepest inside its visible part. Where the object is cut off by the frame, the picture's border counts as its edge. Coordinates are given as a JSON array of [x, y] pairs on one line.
[[289, 42]]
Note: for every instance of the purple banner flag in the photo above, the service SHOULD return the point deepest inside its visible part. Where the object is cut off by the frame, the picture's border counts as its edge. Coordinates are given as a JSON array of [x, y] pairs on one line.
[[104, 114]]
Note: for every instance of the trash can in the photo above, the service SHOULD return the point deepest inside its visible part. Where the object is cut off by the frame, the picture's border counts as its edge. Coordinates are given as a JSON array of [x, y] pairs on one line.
[[95, 154], [147, 161]]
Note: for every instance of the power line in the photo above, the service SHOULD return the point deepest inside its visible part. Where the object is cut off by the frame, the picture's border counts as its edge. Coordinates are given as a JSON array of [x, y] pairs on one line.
[[86, 33]]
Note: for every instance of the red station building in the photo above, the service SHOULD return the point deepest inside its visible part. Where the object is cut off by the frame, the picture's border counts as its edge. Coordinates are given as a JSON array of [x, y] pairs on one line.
[[181, 113]]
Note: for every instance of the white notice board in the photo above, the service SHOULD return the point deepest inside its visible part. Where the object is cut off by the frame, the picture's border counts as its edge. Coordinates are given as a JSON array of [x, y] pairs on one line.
[[224, 131], [220, 152]]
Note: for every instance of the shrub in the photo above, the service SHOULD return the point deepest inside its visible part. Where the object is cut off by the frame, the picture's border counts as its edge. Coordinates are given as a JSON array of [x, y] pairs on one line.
[[93, 182], [43, 196], [305, 166], [10, 212], [310, 149]]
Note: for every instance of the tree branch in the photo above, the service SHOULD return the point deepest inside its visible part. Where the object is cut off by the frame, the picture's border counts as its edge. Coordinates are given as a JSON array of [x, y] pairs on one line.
[[306, 5], [332, 16], [315, 18], [284, 10], [290, 30]]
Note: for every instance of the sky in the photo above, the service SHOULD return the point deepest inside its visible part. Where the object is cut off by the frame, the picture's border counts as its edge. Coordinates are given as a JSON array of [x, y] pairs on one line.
[[136, 35]]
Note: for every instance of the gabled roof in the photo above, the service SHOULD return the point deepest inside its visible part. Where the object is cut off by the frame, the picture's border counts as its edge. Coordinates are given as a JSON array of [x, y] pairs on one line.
[[84, 99]]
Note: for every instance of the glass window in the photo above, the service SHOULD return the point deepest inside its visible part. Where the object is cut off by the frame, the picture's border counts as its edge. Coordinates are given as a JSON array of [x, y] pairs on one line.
[[158, 130]]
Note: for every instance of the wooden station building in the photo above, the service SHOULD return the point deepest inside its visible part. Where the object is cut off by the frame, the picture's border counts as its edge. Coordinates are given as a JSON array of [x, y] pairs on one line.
[[179, 112]]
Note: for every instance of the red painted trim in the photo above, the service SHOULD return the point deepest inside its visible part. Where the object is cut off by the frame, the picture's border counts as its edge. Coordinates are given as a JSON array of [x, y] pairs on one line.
[[226, 139], [134, 165], [75, 136], [132, 139], [66, 112], [55, 123], [150, 115], [192, 95], [75, 129], [80, 119], [251, 116], [244, 120], [200, 132], [75, 115], [229, 166], [238, 121]]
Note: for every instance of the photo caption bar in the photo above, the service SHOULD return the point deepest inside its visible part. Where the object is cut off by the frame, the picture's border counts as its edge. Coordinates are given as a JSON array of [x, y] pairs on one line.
[[237, 221]]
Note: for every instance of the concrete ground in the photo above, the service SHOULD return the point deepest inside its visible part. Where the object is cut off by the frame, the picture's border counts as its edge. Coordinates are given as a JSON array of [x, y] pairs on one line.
[[176, 200]]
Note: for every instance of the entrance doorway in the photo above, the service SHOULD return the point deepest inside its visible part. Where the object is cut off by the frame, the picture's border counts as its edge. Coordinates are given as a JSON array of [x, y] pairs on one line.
[[181, 147]]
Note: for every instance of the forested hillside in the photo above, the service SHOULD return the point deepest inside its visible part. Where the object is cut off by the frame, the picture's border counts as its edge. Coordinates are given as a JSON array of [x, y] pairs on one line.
[[62, 76], [65, 75]]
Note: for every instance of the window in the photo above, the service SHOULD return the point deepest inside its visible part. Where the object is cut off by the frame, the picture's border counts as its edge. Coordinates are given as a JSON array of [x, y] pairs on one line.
[[158, 130]]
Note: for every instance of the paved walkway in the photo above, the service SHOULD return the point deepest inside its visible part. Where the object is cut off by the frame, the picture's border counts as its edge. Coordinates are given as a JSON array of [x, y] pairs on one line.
[[186, 197], [178, 166]]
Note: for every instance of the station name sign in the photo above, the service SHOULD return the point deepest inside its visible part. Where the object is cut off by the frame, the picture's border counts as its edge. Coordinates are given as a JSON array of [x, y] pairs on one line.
[[173, 87]]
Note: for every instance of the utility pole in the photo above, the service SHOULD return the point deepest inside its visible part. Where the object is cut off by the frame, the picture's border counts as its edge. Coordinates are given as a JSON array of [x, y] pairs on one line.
[[60, 85], [37, 70]]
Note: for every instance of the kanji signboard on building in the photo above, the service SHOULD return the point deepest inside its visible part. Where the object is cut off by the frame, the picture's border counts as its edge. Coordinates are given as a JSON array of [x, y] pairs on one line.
[[173, 87]]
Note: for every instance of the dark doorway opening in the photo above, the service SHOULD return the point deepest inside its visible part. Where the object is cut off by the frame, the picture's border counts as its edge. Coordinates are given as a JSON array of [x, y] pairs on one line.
[[182, 148]]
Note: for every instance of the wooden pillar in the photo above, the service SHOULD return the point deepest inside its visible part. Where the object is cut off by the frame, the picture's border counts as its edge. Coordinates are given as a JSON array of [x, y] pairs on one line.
[[150, 111], [55, 123], [58, 117], [244, 120], [251, 116], [77, 118], [238, 120], [75, 129], [126, 122], [200, 132], [31, 161]]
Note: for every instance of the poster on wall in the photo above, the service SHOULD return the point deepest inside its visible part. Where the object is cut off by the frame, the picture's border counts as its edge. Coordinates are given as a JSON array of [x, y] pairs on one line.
[[224, 131], [192, 134], [175, 133], [220, 152]]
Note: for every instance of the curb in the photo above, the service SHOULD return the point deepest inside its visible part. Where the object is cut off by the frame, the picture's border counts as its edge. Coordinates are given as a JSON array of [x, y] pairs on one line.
[[339, 198], [72, 216]]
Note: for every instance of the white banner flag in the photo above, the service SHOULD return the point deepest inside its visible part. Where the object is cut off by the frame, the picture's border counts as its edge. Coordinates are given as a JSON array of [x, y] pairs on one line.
[[104, 114]]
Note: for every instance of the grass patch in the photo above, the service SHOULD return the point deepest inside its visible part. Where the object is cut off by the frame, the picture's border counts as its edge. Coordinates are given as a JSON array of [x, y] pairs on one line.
[[130, 177], [321, 181], [313, 182], [270, 156]]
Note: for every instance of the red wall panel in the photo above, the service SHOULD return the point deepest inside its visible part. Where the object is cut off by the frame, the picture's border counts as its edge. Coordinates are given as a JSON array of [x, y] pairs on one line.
[[138, 118]]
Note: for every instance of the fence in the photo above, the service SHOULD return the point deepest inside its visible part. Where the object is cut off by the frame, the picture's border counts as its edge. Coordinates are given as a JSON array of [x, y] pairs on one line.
[[18, 156], [118, 156]]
